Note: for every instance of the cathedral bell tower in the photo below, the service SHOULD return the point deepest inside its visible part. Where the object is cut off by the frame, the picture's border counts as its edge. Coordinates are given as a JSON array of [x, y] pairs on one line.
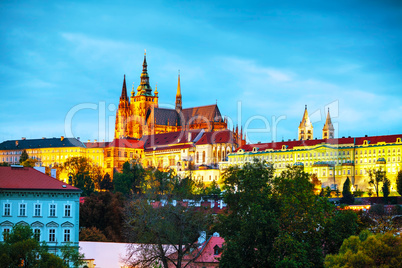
[[142, 105], [305, 127]]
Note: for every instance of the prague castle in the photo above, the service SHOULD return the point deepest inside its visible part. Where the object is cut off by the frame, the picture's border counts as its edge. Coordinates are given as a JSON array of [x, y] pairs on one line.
[[198, 138]]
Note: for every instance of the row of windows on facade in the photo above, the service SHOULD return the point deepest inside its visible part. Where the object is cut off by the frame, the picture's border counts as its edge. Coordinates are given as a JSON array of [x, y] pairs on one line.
[[37, 210], [121, 153], [288, 156], [37, 234]]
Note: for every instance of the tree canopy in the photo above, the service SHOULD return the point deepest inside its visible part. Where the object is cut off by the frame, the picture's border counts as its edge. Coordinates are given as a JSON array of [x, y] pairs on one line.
[[168, 233], [278, 221], [368, 250]]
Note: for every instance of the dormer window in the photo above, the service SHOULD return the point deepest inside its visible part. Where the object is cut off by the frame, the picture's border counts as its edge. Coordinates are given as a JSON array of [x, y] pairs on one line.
[[216, 250]]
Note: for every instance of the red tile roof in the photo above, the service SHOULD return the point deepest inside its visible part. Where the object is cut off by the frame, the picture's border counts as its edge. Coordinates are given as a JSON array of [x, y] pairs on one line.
[[24, 178], [127, 143], [171, 138], [224, 136], [96, 144], [299, 143]]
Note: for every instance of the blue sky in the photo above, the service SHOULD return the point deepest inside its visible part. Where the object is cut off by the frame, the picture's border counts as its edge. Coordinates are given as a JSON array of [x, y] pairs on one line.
[[62, 63]]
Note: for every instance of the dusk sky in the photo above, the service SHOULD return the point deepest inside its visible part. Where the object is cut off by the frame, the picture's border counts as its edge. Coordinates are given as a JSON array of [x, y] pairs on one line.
[[64, 62]]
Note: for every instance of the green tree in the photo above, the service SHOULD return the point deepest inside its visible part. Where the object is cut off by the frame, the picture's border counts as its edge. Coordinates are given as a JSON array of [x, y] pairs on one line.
[[278, 222], [368, 250], [130, 180], [30, 162], [250, 225], [4, 164], [104, 211], [167, 233], [213, 189], [399, 182], [85, 183], [21, 248], [347, 196], [106, 183], [386, 185], [92, 234], [341, 225], [71, 255], [24, 156], [375, 178]]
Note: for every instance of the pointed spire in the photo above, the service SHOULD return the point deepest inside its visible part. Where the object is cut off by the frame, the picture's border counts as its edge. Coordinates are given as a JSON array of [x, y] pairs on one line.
[[144, 88], [178, 95], [144, 64], [124, 90], [328, 122], [178, 86], [306, 120]]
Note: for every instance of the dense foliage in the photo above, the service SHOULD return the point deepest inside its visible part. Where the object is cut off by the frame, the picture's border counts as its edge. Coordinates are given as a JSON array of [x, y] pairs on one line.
[[278, 221], [104, 211], [368, 250]]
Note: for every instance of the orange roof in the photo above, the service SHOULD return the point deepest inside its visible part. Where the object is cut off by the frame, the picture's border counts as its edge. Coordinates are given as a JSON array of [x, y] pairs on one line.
[[24, 178]]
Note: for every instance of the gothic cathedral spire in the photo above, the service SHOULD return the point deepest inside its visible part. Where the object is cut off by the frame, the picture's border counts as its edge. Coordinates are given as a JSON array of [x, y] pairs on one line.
[[144, 88], [305, 127], [123, 114], [178, 96], [328, 130]]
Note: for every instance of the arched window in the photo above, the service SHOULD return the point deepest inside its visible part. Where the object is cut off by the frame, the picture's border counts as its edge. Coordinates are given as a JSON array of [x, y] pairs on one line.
[[203, 157]]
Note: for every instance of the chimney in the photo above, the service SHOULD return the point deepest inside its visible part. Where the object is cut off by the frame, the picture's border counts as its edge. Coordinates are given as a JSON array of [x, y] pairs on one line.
[[61, 138], [23, 138], [16, 143], [189, 136]]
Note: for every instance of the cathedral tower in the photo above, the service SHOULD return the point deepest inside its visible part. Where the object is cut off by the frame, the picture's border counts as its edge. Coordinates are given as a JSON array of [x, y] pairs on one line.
[[305, 127], [328, 130], [123, 114], [142, 104], [178, 96]]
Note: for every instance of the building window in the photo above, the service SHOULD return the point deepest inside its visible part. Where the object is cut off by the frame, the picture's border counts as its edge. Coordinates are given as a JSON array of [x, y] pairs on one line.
[[52, 235], [23, 210], [37, 234], [67, 235], [37, 212], [6, 232], [52, 210], [67, 211], [203, 157], [7, 209]]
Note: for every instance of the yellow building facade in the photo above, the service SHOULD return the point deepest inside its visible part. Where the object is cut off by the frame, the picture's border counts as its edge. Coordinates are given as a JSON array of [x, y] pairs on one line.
[[332, 160]]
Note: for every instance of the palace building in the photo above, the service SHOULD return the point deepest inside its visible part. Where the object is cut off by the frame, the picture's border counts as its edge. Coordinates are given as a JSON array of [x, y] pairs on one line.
[[331, 159]]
